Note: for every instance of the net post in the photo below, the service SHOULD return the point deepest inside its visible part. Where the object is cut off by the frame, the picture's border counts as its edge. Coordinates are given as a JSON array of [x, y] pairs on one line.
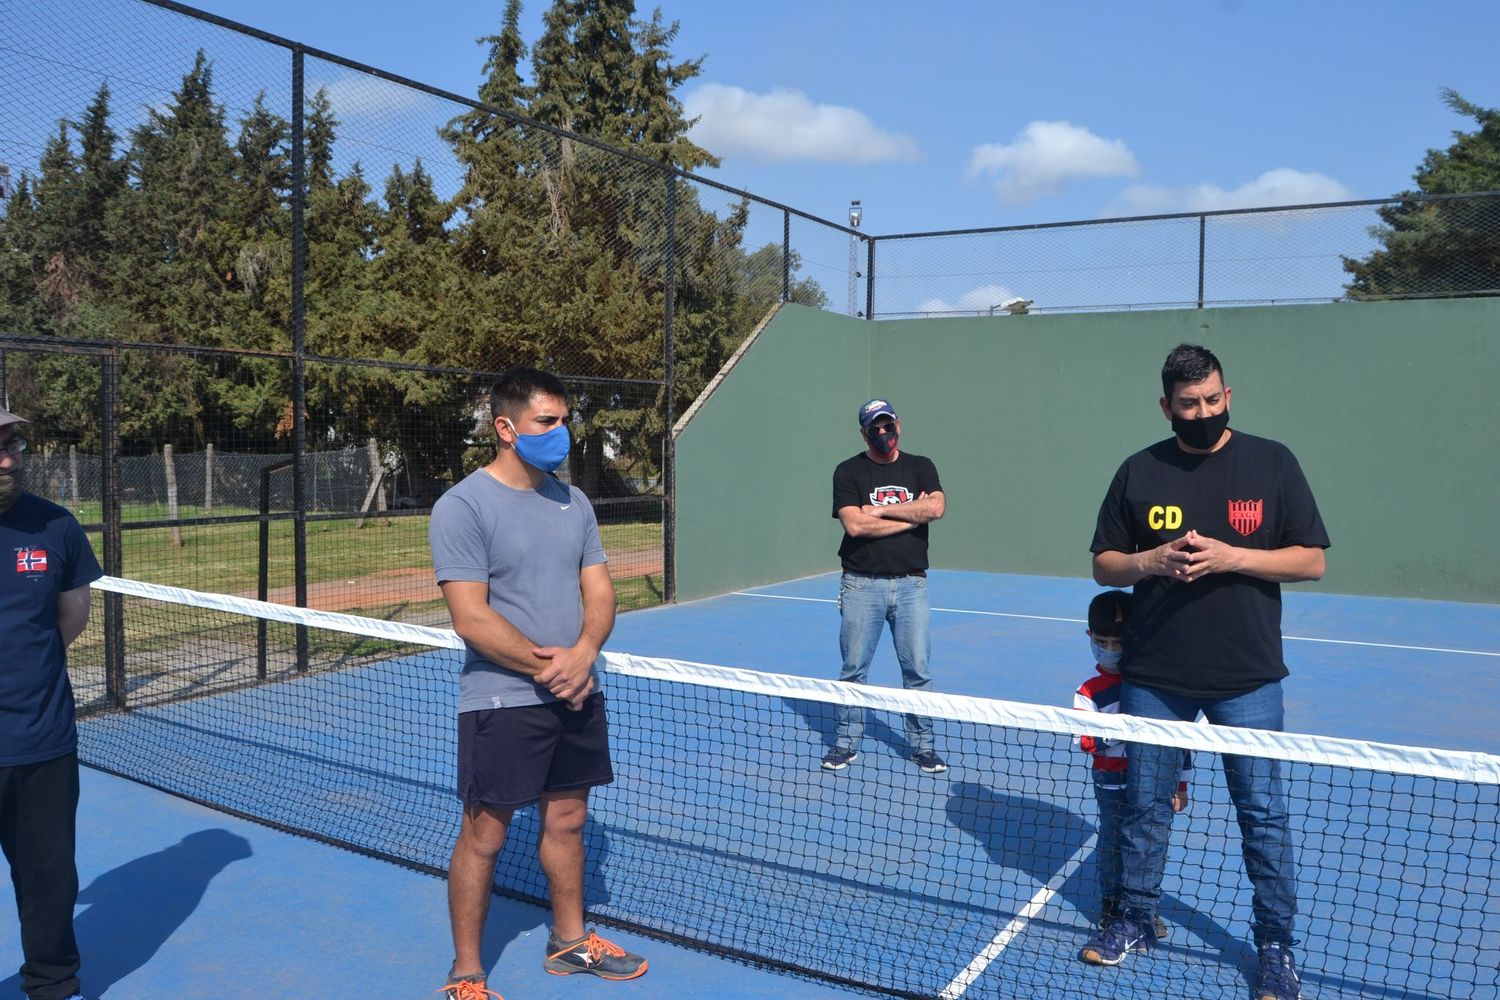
[[870, 278]]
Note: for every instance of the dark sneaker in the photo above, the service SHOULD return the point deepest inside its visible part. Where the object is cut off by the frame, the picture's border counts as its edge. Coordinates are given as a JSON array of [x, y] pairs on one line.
[[1111, 909], [1130, 931], [930, 762], [1277, 979], [594, 955], [838, 758], [468, 988]]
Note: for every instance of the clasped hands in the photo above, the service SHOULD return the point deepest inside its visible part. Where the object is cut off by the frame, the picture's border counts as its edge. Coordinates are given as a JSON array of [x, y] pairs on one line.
[[1190, 557], [569, 673]]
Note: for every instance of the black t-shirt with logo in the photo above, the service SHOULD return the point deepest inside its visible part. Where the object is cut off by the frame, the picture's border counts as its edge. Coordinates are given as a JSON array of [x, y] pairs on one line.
[[861, 480], [1220, 635]]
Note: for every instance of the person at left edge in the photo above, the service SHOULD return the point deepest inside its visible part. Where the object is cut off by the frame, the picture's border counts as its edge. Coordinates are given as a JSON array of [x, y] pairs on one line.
[[522, 568], [44, 604]]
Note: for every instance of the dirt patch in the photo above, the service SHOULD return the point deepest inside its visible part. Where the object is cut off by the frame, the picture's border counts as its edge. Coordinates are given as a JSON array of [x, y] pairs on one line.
[[415, 585]]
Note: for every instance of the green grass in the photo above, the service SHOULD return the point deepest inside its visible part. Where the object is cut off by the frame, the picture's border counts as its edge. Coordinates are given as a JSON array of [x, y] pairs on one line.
[[224, 558]]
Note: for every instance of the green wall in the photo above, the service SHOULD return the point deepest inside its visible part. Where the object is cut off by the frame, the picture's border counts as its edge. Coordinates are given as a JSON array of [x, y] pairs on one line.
[[1389, 406], [755, 463]]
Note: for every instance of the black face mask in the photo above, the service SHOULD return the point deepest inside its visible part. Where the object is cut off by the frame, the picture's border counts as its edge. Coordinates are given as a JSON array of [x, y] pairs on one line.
[[1202, 434], [883, 443]]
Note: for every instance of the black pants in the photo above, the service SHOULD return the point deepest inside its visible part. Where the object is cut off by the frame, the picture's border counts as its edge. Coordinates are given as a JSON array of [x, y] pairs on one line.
[[38, 817]]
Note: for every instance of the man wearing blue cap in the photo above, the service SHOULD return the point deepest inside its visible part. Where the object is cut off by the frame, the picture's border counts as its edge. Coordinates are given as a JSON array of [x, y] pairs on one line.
[[884, 498]]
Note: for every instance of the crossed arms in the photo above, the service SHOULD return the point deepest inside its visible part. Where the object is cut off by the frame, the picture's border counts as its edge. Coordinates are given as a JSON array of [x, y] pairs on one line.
[[883, 520]]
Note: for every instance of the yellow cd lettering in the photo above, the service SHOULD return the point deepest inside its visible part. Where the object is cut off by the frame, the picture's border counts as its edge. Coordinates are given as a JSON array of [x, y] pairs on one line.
[[1164, 518]]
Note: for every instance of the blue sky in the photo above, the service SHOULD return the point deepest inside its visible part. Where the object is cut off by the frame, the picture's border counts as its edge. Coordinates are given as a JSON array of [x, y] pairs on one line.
[[960, 114], [955, 114]]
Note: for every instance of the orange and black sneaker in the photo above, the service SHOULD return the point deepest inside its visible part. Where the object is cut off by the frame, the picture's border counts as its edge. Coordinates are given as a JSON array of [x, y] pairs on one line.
[[468, 988], [594, 955]]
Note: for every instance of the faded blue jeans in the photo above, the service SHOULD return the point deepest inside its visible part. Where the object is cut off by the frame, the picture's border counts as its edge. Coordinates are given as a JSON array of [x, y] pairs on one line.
[[1254, 788], [867, 603]]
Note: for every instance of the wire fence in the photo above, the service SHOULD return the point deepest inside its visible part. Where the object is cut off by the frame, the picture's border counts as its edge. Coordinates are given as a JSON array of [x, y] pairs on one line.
[[1408, 247], [252, 294]]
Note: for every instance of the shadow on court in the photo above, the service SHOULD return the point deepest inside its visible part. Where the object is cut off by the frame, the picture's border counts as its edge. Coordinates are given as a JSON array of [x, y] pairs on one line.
[[1038, 838], [132, 910], [823, 719]]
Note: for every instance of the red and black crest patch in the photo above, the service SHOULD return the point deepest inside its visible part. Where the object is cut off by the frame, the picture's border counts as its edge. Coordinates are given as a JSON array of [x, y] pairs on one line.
[[882, 495], [1245, 515]]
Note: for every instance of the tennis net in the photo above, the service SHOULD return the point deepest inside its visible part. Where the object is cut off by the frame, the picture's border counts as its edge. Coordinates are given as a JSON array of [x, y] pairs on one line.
[[722, 832]]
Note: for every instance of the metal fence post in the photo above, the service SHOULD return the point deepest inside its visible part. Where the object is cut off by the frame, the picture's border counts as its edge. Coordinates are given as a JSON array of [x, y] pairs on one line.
[[110, 508], [1202, 240], [870, 279], [299, 349], [669, 444], [786, 255]]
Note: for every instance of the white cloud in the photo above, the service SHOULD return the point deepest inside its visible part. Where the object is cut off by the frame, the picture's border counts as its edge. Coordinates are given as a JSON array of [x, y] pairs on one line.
[[976, 300], [784, 125], [357, 95], [1282, 186], [1046, 156]]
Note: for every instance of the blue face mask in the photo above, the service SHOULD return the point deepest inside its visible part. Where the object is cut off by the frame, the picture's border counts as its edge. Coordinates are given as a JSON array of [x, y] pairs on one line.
[[1104, 657], [543, 451]]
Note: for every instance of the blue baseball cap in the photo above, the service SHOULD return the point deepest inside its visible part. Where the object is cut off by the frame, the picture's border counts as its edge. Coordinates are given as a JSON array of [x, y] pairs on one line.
[[874, 410]]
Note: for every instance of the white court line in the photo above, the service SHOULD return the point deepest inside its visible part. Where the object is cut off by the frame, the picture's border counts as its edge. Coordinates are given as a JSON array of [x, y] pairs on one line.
[[951, 611], [1047, 618], [1008, 933]]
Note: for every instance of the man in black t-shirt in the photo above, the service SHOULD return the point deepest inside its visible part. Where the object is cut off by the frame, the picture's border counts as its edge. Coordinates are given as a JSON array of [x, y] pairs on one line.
[[884, 498], [1206, 526]]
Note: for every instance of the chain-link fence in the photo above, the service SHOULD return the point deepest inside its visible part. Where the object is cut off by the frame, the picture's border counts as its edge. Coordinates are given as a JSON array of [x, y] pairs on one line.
[[251, 291], [253, 294], [1411, 247]]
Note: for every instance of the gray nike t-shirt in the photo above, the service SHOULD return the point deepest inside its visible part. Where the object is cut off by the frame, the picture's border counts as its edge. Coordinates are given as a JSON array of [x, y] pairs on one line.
[[529, 546]]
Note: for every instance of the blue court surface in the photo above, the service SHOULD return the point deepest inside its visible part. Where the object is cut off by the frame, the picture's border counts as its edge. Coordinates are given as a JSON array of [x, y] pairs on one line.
[[180, 900]]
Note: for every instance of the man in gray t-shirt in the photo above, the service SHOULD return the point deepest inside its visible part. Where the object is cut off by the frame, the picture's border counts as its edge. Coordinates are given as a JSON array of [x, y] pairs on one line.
[[522, 569]]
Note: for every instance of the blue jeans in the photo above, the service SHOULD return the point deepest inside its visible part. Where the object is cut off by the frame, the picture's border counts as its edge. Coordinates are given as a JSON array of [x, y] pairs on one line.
[[1110, 797], [867, 603], [1254, 788]]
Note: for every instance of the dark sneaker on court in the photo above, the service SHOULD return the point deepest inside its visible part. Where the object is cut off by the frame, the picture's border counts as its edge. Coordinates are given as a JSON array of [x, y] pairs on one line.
[[1111, 909], [838, 758], [1277, 979], [930, 762], [594, 955], [468, 988], [1130, 931]]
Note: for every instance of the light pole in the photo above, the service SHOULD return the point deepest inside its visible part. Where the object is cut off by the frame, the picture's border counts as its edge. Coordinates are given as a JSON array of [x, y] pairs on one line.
[[856, 213]]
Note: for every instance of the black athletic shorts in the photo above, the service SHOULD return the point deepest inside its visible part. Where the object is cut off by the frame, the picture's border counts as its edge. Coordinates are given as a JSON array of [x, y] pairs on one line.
[[508, 757]]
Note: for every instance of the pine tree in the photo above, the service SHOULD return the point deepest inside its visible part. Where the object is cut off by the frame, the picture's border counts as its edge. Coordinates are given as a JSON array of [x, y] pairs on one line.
[[1441, 247], [319, 127], [178, 244], [56, 247], [102, 178]]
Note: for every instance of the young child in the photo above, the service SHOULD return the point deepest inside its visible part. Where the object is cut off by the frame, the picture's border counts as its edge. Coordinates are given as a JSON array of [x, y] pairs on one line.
[[1109, 614]]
